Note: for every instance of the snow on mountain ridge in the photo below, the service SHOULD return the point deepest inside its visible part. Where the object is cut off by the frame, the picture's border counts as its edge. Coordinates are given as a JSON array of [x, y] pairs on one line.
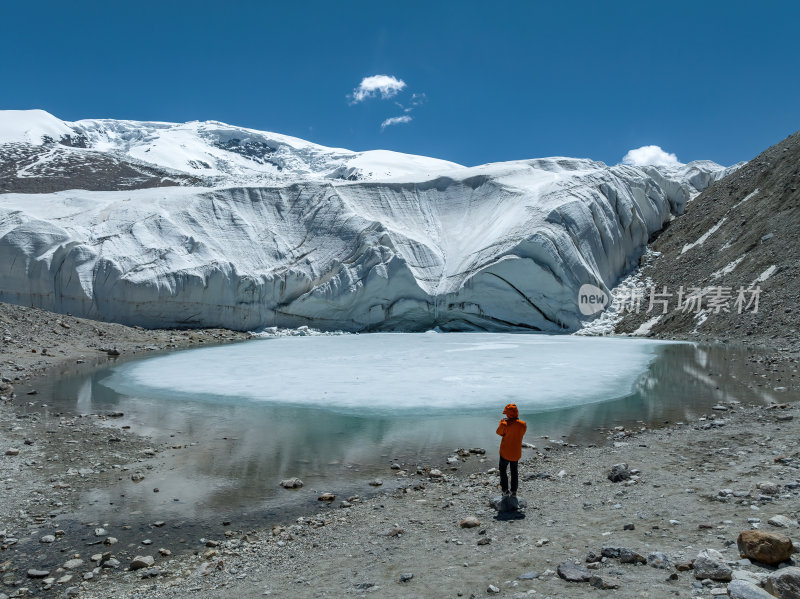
[[215, 151]]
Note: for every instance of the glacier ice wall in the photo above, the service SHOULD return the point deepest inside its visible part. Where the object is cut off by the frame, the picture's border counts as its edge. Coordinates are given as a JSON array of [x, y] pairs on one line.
[[497, 247]]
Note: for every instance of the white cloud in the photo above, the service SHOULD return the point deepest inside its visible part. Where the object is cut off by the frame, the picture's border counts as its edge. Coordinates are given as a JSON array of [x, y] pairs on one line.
[[653, 155], [385, 85], [396, 120]]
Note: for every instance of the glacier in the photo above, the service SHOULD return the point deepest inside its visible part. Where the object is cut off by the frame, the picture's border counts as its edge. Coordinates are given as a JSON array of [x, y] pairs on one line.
[[258, 229]]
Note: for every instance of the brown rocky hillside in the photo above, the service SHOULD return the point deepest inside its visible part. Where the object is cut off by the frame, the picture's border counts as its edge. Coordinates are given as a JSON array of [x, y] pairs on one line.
[[741, 232]]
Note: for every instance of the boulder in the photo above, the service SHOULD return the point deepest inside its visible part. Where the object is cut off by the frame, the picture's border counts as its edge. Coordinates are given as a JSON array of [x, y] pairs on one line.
[[604, 582], [506, 503], [765, 547], [710, 564], [572, 572], [659, 560], [142, 561], [784, 583], [291, 483], [33, 573], [741, 589], [782, 522], [629, 556]]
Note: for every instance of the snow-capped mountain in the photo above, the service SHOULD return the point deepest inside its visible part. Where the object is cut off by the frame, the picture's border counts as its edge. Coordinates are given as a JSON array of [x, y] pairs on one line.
[[243, 229], [37, 144]]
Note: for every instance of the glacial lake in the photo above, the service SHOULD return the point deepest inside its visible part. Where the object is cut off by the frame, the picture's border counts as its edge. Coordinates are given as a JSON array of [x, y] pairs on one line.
[[336, 411]]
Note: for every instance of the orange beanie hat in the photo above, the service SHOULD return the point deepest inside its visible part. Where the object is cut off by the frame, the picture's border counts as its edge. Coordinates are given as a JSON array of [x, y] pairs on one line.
[[511, 410]]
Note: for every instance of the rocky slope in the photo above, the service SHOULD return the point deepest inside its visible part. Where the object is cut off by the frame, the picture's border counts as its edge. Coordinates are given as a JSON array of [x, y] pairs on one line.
[[741, 232]]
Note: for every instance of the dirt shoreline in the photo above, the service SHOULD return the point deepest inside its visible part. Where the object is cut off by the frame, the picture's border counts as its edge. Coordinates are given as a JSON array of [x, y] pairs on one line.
[[366, 547]]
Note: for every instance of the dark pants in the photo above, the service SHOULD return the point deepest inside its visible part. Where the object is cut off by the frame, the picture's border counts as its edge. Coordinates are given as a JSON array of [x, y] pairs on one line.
[[504, 475]]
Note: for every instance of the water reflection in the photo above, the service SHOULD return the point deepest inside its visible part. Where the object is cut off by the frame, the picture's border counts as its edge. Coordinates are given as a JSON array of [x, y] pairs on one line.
[[242, 450]]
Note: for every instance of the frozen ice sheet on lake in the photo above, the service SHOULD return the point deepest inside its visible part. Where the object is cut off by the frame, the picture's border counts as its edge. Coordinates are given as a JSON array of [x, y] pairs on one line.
[[398, 372]]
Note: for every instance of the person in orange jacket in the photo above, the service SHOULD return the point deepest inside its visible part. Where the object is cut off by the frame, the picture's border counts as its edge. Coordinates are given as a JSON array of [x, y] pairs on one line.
[[512, 429]]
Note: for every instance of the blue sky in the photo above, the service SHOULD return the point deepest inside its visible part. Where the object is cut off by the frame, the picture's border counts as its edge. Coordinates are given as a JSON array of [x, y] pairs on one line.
[[494, 81]]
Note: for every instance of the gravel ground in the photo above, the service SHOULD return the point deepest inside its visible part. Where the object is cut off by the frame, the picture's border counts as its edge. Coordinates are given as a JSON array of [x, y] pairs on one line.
[[678, 503]]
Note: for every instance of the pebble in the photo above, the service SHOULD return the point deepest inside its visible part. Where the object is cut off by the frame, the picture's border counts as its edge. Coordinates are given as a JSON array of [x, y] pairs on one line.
[[406, 576], [48, 539], [470, 522], [529, 576], [12, 451], [492, 589]]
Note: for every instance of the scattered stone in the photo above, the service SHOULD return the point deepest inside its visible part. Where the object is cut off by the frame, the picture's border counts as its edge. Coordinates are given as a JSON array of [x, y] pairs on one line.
[[326, 497], [159, 523], [572, 572], [33, 573], [165, 552], [629, 526], [492, 589], [742, 589], [765, 547], [137, 477], [100, 532], [48, 539], [507, 503], [629, 556], [619, 472], [659, 560], [782, 522], [710, 564], [484, 540], [406, 576], [72, 564], [291, 483], [470, 522], [111, 563], [142, 561], [604, 582], [376, 483], [529, 576], [12, 451], [151, 573], [768, 488], [436, 473], [110, 541], [394, 531], [784, 583]]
